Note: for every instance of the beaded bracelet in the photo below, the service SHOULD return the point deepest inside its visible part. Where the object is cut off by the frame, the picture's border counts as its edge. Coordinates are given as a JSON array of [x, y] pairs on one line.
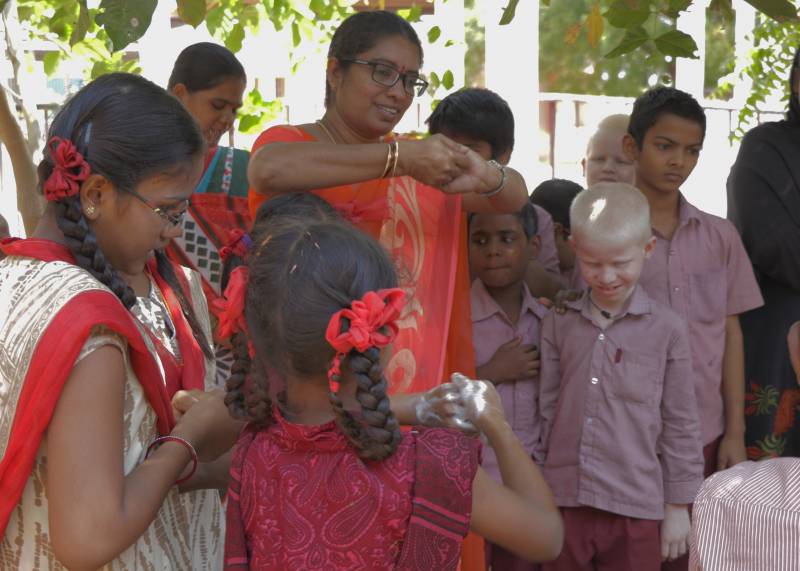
[[192, 453]]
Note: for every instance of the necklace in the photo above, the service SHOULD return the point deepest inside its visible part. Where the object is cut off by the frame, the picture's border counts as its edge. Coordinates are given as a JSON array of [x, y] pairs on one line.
[[327, 132], [603, 312]]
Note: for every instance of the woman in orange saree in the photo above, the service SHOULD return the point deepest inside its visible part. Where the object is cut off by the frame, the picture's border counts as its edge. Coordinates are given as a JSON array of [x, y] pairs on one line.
[[411, 195]]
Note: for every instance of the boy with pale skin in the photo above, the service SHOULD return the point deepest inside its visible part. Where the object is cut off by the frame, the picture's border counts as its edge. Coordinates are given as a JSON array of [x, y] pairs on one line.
[[605, 160], [619, 422], [699, 268]]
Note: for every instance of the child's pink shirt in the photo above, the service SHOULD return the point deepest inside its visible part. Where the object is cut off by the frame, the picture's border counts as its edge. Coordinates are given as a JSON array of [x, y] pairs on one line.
[[619, 423], [492, 328], [548, 255], [703, 274]]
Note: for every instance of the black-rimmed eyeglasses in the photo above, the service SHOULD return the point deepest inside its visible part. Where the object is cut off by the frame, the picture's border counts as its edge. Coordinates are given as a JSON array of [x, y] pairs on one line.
[[386, 75], [173, 219]]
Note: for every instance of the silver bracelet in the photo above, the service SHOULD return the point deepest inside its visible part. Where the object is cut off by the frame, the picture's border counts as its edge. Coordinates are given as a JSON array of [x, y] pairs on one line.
[[502, 184]]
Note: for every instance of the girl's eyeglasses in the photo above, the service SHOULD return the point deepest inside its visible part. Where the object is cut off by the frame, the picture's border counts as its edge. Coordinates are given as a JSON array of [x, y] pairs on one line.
[[173, 219], [386, 75]]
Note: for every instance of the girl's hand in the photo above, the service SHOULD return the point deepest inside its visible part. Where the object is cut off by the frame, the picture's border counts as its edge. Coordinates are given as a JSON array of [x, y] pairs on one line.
[[444, 406], [435, 161], [183, 401], [205, 423], [482, 403], [674, 531]]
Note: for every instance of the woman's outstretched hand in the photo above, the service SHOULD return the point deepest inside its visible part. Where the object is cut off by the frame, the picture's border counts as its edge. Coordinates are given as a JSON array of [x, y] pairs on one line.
[[436, 161]]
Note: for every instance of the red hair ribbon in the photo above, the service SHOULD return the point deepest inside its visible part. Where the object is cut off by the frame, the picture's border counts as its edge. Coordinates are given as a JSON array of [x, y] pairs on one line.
[[238, 244], [230, 307], [70, 169], [373, 323]]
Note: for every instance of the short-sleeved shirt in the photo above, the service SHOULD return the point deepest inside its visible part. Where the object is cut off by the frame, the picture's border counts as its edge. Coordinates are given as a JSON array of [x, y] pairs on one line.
[[548, 255], [492, 328], [619, 422], [703, 274]]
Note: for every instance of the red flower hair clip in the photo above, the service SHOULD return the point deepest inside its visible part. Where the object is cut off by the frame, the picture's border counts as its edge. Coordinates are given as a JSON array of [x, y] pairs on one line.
[[238, 244], [70, 169], [373, 323], [229, 308]]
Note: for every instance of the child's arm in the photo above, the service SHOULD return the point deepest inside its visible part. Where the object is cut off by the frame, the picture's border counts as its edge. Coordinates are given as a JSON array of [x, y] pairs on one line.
[[542, 283], [679, 447], [512, 361], [549, 380], [521, 514], [732, 448]]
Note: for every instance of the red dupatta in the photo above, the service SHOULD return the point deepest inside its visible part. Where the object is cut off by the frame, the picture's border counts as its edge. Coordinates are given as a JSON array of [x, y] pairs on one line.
[[51, 364]]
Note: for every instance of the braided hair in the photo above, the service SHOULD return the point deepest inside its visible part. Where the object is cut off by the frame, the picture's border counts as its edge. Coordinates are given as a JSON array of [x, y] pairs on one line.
[[127, 129], [309, 271]]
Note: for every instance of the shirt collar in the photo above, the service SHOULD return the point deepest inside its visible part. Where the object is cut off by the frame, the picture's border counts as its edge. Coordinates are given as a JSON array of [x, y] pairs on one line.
[[637, 304], [686, 212], [484, 306]]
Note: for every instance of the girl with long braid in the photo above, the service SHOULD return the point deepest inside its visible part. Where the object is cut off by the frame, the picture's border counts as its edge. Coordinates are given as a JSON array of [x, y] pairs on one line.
[[323, 478], [99, 336]]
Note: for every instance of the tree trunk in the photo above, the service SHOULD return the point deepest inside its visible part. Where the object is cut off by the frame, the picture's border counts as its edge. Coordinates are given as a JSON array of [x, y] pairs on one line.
[[29, 203]]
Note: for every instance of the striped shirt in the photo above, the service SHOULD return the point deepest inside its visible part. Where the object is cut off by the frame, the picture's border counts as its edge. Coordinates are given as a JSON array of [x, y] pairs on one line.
[[747, 518]]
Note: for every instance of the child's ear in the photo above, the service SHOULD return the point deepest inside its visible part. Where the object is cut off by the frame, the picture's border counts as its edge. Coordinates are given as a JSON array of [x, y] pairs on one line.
[[179, 90], [536, 246], [630, 147], [650, 247], [558, 230], [504, 157]]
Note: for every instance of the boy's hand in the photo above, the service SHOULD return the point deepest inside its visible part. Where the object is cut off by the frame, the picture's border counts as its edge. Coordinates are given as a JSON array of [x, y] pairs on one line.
[[674, 531], [511, 362], [563, 297], [731, 451]]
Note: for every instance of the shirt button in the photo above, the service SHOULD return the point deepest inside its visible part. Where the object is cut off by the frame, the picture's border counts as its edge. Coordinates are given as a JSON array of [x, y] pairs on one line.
[[595, 380], [676, 288], [672, 252], [588, 421], [601, 337]]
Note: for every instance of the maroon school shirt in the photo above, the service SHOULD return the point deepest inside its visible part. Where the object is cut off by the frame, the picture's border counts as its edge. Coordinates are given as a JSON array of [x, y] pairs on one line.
[[619, 421], [703, 274]]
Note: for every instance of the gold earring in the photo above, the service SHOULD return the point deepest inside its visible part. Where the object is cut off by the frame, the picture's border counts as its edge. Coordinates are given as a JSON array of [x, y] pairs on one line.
[[90, 209]]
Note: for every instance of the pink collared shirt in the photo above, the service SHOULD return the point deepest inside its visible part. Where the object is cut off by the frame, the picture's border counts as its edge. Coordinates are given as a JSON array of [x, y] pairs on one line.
[[491, 328], [619, 422], [548, 255], [748, 518], [704, 275]]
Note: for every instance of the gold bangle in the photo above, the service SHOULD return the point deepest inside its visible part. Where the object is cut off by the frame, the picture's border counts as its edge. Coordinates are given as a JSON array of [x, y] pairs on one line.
[[396, 145], [386, 168]]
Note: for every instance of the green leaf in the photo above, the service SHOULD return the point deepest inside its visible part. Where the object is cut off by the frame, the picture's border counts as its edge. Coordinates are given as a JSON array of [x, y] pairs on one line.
[[620, 15], [448, 80], [632, 39], [214, 19], [509, 12], [413, 14], [3, 5], [249, 123], [296, 39], [433, 34], [51, 61], [192, 11], [676, 43], [675, 7], [321, 9], [125, 21], [82, 25], [722, 7], [776, 9], [449, 43], [233, 41]]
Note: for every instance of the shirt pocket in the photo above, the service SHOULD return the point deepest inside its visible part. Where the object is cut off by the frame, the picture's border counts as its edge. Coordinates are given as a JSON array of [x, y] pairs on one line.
[[636, 379], [708, 294]]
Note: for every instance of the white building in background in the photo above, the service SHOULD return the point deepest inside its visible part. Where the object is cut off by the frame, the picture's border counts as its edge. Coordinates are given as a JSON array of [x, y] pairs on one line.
[[552, 128]]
